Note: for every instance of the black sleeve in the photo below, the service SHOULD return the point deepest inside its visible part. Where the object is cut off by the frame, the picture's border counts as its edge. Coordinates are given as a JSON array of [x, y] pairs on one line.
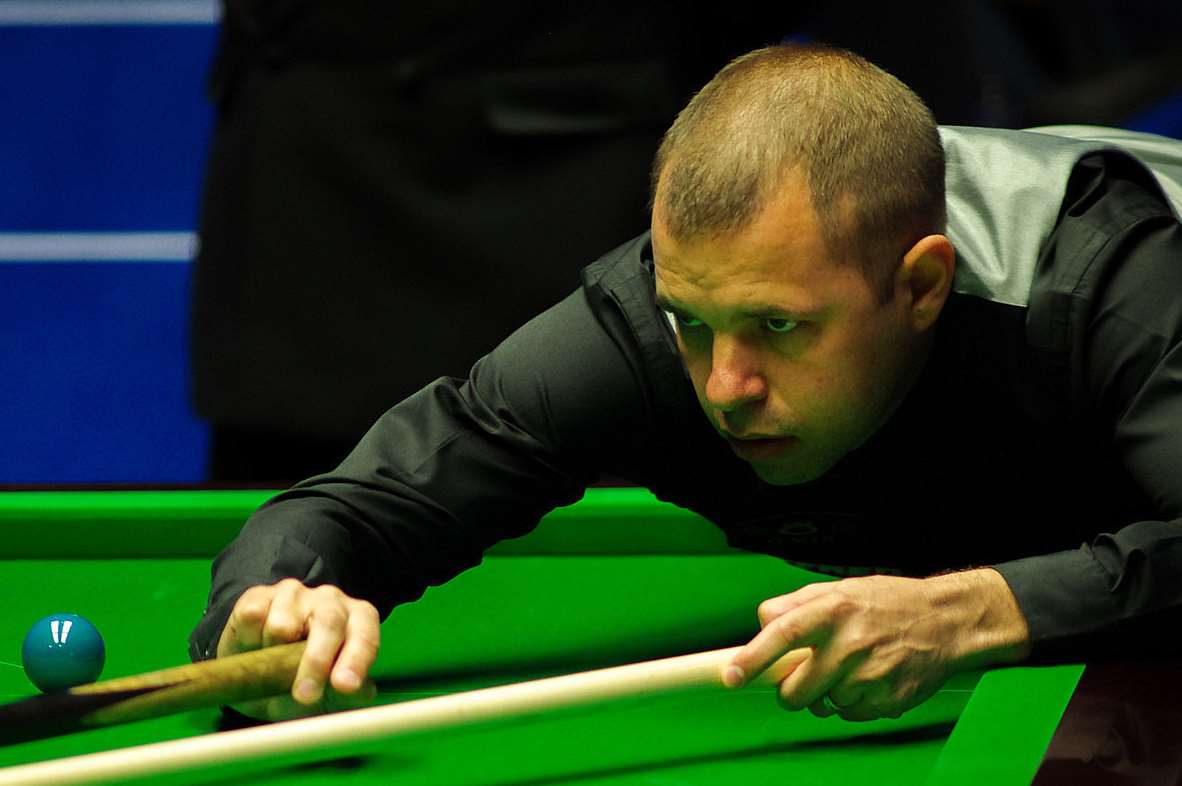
[[451, 470], [1123, 315]]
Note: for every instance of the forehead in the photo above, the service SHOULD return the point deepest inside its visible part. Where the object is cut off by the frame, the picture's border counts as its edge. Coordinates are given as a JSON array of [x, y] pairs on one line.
[[779, 259]]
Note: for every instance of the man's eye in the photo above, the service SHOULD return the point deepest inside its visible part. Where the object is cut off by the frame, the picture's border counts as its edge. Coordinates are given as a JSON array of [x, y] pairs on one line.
[[779, 324]]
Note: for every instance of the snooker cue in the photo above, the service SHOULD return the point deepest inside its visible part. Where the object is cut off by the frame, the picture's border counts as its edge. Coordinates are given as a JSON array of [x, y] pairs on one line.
[[235, 678], [299, 738]]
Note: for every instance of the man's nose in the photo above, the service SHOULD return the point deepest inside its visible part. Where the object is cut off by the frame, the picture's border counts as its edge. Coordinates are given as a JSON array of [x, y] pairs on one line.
[[735, 375]]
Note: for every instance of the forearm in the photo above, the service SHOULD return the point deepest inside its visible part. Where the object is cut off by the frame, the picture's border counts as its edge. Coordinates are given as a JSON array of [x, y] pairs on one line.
[[449, 471], [417, 502]]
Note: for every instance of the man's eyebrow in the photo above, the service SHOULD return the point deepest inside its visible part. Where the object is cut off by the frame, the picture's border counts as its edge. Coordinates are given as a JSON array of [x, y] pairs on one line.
[[756, 310], [772, 310]]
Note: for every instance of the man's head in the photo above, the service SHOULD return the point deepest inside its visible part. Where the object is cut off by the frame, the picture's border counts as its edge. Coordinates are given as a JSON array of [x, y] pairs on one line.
[[798, 203]]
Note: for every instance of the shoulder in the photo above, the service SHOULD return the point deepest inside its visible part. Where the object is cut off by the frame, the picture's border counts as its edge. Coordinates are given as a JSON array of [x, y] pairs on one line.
[[1107, 298], [1008, 192], [621, 292], [1114, 226]]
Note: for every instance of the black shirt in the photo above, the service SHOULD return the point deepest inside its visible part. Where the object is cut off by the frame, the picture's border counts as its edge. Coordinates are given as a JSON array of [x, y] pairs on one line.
[[1044, 439]]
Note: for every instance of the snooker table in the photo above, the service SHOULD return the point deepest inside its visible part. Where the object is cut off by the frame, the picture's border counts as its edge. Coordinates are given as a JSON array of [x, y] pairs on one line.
[[616, 578]]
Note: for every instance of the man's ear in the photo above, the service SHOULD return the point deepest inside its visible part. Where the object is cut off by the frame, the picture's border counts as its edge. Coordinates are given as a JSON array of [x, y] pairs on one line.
[[926, 278]]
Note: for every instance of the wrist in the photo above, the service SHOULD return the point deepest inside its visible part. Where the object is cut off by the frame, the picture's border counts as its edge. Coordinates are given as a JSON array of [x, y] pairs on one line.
[[991, 629]]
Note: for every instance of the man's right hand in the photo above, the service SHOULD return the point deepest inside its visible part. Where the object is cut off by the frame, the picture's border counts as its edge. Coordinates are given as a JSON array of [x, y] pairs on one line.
[[342, 633]]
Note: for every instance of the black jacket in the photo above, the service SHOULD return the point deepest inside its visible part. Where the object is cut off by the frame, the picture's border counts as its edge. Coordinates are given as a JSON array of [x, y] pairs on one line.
[[1046, 436]]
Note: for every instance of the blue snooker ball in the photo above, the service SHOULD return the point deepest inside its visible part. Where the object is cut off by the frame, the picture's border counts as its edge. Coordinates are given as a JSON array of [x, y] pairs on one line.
[[61, 651]]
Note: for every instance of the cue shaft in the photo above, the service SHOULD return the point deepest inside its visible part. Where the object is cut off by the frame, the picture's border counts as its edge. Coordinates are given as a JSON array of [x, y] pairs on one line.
[[300, 738]]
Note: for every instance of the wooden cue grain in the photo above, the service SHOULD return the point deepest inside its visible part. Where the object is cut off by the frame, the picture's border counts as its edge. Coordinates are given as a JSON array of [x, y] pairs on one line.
[[302, 738], [229, 680]]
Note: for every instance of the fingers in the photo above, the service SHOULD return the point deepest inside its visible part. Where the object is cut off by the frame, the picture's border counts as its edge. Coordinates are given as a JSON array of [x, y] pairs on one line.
[[777, 607], [876, 648], [808, 625], [265, 615], [822, 708], [822, 675], [244, 628], [342, 641], [825, 690], [829, 685], [326, 634], [871, 703], [342, 633], [286, 617], [360, 648]]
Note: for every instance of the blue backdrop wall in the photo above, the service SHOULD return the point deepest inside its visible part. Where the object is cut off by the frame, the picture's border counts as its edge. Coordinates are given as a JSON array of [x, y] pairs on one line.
[[103, 134]]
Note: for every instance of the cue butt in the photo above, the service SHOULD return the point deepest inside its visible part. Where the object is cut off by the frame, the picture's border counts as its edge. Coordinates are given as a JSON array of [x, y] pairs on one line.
[[229, 680], [235, 678]]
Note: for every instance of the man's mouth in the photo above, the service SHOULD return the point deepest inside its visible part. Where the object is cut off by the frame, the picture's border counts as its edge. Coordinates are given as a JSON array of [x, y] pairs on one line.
[[760, 448]]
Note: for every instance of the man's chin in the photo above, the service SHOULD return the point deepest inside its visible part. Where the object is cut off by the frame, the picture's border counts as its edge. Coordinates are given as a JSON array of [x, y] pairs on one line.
[[787, 474]]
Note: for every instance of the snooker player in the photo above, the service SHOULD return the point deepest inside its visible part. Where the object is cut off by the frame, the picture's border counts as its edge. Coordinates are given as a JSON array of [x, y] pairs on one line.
[[932, 361]]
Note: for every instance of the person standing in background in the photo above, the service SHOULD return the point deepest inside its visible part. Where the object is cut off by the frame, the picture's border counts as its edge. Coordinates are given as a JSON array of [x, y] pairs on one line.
[[435, 171]]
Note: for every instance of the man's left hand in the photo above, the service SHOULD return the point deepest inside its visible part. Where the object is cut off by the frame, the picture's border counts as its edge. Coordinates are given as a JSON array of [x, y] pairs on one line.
[[883, 644]]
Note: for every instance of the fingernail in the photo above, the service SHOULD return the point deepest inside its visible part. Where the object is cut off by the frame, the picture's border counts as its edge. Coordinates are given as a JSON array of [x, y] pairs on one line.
[[348, 680], [307, 691], [733, 676]]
